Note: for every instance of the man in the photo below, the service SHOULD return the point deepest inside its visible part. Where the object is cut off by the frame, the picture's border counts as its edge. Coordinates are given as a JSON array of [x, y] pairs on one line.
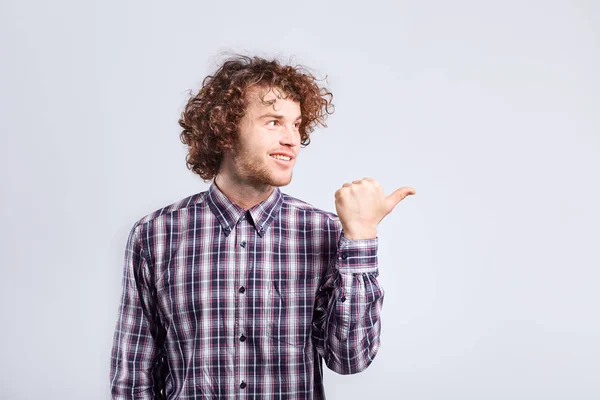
[[241, 291]]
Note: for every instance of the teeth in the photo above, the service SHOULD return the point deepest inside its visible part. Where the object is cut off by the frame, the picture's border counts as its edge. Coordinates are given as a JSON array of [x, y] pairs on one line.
[[280, 157]]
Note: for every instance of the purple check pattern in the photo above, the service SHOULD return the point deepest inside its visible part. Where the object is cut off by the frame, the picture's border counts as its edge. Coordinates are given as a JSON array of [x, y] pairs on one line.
[[219, 302]]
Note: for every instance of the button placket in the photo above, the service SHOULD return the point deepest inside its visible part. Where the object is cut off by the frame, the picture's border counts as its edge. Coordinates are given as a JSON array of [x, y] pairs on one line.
[[242, 267]]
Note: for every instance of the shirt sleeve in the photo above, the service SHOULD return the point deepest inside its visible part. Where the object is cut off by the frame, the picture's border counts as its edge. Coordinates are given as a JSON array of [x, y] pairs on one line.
[[135, 350], [347, 326]]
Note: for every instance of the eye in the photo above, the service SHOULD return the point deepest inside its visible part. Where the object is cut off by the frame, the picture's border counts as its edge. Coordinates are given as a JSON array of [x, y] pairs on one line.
[[297, 125], [273, 122]]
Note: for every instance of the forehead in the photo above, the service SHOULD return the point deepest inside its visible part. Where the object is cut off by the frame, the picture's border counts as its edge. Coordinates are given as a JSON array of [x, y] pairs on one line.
[[264, 98]]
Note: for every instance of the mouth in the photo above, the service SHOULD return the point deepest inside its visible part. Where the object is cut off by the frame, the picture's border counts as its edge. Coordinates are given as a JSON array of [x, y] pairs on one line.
[[282, 159]]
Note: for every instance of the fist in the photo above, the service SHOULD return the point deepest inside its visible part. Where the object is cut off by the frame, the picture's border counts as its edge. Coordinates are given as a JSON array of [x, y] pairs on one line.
[[361, 205]]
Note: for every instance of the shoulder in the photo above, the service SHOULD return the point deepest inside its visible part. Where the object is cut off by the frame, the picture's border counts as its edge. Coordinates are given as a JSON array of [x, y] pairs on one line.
[[293, 204], [178, 206]]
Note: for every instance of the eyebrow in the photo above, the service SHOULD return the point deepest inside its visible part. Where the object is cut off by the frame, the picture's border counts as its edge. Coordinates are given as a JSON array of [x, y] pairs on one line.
[[276, 116]]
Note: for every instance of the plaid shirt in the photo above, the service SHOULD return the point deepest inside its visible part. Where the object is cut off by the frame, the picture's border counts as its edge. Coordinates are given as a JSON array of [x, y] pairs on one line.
[[221, 302]]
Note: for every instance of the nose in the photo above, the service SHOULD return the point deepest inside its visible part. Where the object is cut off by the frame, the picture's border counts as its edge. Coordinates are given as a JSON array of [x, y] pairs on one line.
[[289, 136]]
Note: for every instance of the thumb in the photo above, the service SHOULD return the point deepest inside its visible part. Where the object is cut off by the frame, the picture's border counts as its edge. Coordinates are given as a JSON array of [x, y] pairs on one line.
[[397, 196]]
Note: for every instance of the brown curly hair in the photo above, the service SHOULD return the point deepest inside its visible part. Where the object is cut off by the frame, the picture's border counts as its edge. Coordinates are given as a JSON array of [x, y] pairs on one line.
[[210, 118]]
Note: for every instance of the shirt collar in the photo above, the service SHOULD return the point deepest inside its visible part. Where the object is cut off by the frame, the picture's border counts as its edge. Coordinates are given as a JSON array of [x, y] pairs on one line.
[[228, 214]]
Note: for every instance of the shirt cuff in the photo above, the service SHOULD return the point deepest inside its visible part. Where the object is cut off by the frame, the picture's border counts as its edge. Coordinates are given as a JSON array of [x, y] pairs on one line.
[[357, 256]]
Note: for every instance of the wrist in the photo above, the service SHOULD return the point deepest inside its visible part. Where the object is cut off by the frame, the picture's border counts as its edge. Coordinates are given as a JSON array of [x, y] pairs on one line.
[[360, 235]]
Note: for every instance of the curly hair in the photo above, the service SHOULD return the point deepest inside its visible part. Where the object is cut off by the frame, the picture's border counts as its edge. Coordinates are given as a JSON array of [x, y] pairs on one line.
[[210, 118]]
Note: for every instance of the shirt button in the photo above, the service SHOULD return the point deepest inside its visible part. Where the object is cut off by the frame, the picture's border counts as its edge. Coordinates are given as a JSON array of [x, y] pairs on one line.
[[242, 289], [344, 256], [243, 385], [343, 299], [242, 338], [243, 244]]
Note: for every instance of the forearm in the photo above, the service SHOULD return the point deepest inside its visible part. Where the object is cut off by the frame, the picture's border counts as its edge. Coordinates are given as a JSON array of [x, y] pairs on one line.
[[131, 373], [351, 325]]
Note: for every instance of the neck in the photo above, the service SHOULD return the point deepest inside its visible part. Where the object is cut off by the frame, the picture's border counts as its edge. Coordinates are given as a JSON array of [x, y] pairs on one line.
[[242, 193]]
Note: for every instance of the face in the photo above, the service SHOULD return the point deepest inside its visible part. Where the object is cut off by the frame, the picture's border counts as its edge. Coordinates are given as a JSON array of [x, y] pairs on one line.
[[268, 140]]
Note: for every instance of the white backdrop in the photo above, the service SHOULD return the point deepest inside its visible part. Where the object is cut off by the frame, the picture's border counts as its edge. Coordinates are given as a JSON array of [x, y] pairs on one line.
[[490, 110]]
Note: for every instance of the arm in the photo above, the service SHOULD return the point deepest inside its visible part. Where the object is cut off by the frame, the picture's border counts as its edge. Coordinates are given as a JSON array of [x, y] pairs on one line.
[[347, 326], [135, 349], [346, 321]]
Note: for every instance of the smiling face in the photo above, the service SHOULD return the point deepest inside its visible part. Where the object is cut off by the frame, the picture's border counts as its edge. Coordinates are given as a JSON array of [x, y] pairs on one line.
[[268, 141]]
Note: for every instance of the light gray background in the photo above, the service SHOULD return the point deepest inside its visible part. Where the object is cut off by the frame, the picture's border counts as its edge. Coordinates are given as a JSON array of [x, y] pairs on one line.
[[490, 110]]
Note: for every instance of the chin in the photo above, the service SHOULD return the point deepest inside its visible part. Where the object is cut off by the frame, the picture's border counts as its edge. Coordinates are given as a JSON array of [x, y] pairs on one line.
[[280, 181]]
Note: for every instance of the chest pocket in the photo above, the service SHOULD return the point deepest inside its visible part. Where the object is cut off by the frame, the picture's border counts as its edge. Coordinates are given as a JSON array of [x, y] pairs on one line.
[[291, 304]]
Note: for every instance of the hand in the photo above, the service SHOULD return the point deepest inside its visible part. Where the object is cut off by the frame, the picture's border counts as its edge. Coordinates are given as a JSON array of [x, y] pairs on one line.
[[361, 205]]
